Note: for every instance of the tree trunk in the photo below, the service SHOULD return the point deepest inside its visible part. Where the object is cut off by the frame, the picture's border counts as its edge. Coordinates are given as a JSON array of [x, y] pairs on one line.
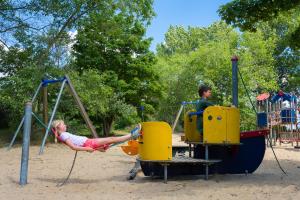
[[107, 125]]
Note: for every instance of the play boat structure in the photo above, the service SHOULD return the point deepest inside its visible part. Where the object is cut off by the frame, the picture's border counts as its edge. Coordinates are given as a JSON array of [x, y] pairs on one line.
[[223, 148]]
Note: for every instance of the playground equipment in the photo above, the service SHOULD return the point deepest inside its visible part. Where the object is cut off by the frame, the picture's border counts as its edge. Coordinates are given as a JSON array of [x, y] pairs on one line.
[[26, 123], [47, 124], [150, 148], [132, 148], [223, 149], [279, 113]]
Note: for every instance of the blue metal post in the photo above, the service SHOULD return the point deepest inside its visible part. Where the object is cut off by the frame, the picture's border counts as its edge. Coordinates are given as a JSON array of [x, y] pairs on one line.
[[235, 100], [52, 117], [26, 143], [36, 93]]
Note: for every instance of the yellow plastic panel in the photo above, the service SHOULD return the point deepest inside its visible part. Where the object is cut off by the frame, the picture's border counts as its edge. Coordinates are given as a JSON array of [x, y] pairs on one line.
[[190, 127], [214, 125], [221, 125], [233, 126], [155, 143]]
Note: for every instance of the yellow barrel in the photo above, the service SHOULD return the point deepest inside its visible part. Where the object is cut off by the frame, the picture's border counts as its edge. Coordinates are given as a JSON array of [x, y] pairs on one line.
[[190, 128], [155, 143]]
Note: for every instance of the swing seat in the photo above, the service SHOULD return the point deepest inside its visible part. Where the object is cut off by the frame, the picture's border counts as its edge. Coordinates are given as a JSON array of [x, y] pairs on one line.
[[132, 148]]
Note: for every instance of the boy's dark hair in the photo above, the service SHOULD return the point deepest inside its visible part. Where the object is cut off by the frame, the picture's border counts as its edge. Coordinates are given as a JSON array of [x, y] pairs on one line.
[[202, 89]]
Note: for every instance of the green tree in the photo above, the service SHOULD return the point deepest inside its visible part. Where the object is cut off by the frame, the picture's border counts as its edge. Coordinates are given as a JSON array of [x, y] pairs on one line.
[[103, 102], [274, 18], [246, 14], [46, 42], [29, 48], [210, 63], [115, 45], [18, 89]]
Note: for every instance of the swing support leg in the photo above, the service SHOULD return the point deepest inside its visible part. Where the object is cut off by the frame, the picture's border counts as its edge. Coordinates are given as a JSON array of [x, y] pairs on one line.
[[52, 117], [26, 143]]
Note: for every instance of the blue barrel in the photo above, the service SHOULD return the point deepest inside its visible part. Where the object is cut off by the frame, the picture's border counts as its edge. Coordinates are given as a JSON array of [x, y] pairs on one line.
[[288, 116], [262, 120]]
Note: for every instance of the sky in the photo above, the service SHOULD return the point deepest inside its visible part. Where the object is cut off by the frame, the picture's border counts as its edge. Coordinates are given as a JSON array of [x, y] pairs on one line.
[[181, 12]]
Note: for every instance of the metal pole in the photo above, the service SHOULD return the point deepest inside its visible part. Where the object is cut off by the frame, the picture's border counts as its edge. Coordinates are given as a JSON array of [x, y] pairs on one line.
[[165, 173], [52, 116], [39, 120], [81, 108], [177, 118], [16, 133], [234, 61], [45, 108], [45, 105], [26, 143], [36, 92], [206, 158]]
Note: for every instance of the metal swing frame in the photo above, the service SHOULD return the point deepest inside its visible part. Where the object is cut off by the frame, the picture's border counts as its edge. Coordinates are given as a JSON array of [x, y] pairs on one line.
[[47, 124]]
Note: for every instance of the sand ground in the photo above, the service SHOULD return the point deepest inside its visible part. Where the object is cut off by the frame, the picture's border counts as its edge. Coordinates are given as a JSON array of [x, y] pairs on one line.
[[103, 176]]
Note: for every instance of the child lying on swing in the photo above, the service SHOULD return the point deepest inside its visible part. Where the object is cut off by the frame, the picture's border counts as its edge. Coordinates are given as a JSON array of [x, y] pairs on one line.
[[81, 143]]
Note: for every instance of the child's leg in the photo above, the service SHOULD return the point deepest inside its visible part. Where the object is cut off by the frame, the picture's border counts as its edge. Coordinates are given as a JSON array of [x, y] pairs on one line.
[[110, 140]]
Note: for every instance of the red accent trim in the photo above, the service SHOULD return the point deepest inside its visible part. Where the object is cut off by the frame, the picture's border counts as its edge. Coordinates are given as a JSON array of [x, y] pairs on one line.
[[263, 97], [256, 133]]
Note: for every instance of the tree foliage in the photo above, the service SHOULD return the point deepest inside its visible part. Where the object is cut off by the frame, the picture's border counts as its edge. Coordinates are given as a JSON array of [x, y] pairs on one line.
[[209, 62], [43, 26], [102, 45], [115, 45], [247, 15], [35, 39], [18, 89], [280, 19]]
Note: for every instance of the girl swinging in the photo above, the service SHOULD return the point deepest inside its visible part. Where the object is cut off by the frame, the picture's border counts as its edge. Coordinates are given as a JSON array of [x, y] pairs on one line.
[[82, 143]]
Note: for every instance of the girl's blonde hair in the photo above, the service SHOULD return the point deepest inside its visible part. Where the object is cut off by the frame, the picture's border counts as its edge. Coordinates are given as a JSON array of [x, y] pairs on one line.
[[55, 123]]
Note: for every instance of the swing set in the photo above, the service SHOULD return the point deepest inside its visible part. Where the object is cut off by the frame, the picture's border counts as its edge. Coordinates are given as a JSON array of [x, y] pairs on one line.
[[131, 149], [47, 124]]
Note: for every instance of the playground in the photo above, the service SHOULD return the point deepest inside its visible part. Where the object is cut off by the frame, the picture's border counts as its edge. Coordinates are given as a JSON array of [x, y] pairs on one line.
[[90, 109], [103, 175]]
